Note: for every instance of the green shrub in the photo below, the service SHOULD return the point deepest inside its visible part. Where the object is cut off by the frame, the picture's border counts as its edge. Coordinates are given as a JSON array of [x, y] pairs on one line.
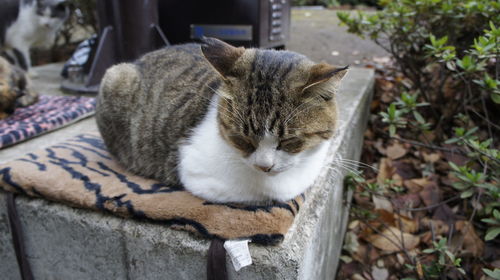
[[439, 44], [332, 3], [449, 52]]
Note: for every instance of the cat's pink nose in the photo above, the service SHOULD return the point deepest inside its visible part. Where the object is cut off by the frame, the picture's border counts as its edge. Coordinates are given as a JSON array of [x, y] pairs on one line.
[[264, 168]]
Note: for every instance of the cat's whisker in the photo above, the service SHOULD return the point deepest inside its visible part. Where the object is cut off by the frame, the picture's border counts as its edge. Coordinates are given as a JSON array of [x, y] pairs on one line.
[[357, 172], [345, 165], [358, 163], [348, 168], [361, 164]]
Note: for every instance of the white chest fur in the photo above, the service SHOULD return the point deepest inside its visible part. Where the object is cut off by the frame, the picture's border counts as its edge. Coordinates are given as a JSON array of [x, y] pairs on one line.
[[212, 169]]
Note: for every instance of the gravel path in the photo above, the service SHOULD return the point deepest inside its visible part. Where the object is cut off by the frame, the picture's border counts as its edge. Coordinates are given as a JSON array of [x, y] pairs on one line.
[[317, 34]]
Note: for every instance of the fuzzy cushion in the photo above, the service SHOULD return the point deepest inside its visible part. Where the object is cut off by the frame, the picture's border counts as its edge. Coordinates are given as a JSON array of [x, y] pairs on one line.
[[49, 113], [81, 173]]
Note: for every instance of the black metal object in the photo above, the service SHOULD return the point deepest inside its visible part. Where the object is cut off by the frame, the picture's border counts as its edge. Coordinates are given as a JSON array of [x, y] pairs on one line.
[[128, 29], [248, 23]]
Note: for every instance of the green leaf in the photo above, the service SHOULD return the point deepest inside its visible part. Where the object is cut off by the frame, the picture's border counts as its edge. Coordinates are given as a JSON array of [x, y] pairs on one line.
[[454, 166], [496, 214], [452, 140], [495, 274], [490, 221], [492, 233], [466, 194], [442, 41], [392, 130], [495, 97], [392, 110], [418, 117], [428, 251]]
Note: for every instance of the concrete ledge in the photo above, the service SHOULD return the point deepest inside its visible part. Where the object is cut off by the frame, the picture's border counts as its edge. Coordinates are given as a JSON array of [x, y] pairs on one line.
[[67, 243]]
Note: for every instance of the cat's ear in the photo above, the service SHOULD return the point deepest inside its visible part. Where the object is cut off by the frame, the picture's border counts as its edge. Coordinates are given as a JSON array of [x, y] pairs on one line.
[[221, 55], [322, 73]]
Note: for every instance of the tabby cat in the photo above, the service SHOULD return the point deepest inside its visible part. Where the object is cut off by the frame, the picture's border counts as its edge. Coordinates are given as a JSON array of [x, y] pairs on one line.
[[28, 23], [229, 124], [15, 89]]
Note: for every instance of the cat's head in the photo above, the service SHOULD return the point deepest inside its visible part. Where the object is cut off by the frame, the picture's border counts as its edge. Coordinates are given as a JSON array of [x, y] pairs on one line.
[[276, 107], [51, 13]]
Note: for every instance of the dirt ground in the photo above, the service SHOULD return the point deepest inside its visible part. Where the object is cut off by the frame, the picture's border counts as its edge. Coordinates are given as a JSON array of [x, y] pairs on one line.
[[317, 34]]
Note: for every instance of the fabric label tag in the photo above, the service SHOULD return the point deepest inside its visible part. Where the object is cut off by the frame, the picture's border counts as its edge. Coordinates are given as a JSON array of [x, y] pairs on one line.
[[239, 253]]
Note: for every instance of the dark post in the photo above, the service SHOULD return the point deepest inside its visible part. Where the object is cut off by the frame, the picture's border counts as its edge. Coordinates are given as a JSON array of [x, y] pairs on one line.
[[128, 29]]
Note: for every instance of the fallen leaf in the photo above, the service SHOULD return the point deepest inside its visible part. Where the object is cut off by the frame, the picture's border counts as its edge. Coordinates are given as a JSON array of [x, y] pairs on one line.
[[383, 217], [379, 145], [353, 225], [351, 243], [416, 185], [385, 170], [405, 169], [348, 269], [436, 226], [387, 96], [396, 151], [430, 194], [407, 224], [426, 237], [420, 270], [382, 203], [455, 157], [445, 214], [379, 273], [390, 240], [406, 201], [432, 157], [360, 254], [467, 239]]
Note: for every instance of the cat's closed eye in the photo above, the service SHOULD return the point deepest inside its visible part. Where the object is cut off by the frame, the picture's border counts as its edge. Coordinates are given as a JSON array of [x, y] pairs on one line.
[[291, 145], [242, 143]]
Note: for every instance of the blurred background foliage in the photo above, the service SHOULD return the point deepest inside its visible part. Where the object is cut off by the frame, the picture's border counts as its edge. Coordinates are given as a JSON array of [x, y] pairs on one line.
[[334, 3]]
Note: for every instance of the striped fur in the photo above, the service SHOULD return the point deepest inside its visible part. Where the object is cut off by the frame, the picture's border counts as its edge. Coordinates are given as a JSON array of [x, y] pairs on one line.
[[149, 110]]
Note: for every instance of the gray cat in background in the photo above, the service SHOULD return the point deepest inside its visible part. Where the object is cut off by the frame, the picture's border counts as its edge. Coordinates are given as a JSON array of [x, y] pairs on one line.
[[229, 124], [29, 23]]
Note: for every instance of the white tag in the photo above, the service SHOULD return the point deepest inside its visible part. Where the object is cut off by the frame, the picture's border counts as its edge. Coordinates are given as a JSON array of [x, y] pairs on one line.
[[239, 253]]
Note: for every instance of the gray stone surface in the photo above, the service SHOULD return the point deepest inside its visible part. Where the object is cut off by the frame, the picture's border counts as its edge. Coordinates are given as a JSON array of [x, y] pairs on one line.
[[8, 264], [68, 243], [316, 33]]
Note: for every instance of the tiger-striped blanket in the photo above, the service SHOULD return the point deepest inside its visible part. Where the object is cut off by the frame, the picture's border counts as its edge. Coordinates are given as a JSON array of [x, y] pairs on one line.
[[80, 172]]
